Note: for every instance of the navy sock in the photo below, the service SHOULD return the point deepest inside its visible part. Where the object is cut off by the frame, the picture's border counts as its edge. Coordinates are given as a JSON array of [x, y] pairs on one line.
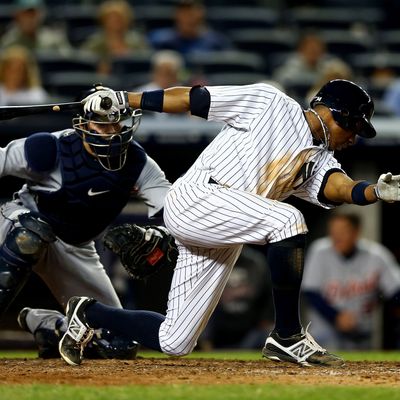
[[141, 326], [286, 262]]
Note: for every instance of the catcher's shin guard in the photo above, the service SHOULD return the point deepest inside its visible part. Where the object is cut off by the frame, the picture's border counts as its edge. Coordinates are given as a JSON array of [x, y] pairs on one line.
[[19, 252]]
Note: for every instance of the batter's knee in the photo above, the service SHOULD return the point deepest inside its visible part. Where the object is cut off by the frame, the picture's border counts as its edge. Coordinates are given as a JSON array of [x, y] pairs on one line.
[[292, 223]]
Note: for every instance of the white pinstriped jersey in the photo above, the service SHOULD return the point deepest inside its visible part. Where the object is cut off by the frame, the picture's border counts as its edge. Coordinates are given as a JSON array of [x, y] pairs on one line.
[[266, 146], [232, 195]]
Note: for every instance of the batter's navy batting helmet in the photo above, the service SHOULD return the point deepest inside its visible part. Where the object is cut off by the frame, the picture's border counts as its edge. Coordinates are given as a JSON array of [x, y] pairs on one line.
[[351, 106]]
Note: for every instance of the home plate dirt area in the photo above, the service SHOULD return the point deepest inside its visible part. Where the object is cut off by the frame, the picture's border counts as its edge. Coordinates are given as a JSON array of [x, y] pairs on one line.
[[155, 371]]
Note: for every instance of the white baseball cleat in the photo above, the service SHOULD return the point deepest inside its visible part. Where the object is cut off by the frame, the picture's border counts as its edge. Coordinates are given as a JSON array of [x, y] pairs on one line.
[[300, 349], [78, 333]]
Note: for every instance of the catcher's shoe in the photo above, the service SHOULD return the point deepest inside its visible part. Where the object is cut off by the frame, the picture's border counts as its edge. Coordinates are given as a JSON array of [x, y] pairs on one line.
[[43, 325], [79, 333], [300, 349]]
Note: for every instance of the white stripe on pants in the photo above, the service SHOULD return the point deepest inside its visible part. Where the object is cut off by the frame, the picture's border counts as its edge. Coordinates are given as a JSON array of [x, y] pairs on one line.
[[211, 223]]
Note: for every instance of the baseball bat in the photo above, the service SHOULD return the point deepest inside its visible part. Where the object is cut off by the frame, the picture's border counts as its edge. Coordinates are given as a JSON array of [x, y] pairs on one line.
[[10, 112]]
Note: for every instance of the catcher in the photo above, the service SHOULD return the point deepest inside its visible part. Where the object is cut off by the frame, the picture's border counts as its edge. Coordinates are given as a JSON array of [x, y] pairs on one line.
[[143, 251], [77, 182]]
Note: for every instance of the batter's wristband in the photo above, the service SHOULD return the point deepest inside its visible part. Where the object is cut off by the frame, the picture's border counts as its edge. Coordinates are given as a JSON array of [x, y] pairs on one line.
[[358, 193], [152, 100]]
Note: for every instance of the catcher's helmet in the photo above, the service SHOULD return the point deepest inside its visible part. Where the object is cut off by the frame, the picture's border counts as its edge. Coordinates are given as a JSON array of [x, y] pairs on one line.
[[111, 148], [351, 106]]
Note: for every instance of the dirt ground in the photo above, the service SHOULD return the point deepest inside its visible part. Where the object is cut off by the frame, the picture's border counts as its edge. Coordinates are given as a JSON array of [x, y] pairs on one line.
[[150, 371]]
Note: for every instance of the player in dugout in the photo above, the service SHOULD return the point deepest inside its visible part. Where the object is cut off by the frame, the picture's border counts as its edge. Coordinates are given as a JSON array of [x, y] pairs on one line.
[[269, 149]]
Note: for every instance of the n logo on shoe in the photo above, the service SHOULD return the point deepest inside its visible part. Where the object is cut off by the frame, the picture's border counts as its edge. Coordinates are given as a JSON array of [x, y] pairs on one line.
[[302, 350], [77, 331]]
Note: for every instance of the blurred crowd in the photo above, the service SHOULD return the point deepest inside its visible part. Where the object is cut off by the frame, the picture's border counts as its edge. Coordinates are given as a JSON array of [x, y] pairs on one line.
[[57, 49]]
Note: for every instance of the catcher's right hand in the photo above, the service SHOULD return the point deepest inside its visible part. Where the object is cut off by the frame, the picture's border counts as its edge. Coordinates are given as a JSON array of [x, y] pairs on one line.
[[142, 250]]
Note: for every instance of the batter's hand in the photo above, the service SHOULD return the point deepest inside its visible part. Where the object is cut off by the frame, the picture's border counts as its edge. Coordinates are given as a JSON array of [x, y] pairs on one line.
[[388, 188], [94, 102]]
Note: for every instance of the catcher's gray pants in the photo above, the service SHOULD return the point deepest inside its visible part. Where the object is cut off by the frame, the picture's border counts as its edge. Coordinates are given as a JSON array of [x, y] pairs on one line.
[[66, 269]]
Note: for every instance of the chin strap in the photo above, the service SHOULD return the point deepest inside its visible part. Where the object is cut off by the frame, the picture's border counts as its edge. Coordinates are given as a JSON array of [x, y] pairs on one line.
[[324, 128]]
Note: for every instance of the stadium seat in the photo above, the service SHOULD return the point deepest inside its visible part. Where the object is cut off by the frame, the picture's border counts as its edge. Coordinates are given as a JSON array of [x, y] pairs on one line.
[[72, 84], [390, 40], [268, 43], [137, 63], [334, 17], [225, 62], [152, 17], [225, 19], [365, 64], [80, 62], [235, 78], [345, 44]]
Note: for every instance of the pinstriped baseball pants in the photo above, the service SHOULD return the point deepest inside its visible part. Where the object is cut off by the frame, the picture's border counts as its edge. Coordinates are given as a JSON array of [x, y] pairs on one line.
[[211, 223]]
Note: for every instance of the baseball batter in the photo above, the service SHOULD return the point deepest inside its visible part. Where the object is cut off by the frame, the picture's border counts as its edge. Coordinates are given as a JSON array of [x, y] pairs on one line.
[[268, 149], [77, 182]]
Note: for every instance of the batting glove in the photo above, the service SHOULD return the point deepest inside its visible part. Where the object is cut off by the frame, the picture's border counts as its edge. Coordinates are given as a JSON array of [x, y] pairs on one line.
[[388, 188], [106, 102]]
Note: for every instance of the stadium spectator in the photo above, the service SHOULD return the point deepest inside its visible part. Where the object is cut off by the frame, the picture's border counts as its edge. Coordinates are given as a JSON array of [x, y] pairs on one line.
[[190, 32], [28, 30], [302, 69], [167, 70], [332, 69], [344, 276], [115, 36], [391, 97], [20, 78]]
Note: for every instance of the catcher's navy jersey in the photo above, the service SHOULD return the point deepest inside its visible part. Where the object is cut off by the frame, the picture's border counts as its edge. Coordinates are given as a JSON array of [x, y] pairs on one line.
[[79, 199], [90, 197], [78, 196]]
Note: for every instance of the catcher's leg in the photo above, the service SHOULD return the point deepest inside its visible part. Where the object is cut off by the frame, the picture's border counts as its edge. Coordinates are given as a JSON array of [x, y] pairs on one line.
[[48, 326], [21, 249], [76, 271]]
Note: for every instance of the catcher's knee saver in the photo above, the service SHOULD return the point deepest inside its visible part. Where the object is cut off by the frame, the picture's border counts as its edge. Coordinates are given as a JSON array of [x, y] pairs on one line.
[[19, 252]]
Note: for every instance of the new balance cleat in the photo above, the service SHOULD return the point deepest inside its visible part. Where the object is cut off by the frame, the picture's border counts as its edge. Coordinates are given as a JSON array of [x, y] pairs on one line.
[[300, 349], [78, 334]]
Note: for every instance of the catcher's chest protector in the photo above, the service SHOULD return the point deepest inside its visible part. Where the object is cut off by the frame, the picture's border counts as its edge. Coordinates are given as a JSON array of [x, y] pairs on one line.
[[90, 197]]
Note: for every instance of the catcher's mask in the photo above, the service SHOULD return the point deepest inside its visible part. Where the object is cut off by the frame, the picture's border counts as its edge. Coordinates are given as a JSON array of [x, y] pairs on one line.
[[351, 106], [108, 136]]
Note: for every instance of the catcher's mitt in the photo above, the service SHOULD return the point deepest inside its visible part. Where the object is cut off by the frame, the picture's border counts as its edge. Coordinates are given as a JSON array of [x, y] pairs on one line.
[[142, 250]]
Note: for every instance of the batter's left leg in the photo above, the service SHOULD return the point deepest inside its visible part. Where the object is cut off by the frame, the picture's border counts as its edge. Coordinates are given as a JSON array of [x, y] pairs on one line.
[[197, 285]]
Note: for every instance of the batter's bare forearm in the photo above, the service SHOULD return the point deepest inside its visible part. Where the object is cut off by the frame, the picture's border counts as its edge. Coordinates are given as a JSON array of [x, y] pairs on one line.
[[341, 188], [176, 100]]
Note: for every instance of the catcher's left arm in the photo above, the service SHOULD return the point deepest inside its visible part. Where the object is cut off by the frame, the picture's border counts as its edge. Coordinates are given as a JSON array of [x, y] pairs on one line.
[[143, 251]]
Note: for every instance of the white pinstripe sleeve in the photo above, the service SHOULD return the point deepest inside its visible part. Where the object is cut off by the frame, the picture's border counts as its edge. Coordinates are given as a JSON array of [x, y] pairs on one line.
[[239, 105], [310, 189]]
